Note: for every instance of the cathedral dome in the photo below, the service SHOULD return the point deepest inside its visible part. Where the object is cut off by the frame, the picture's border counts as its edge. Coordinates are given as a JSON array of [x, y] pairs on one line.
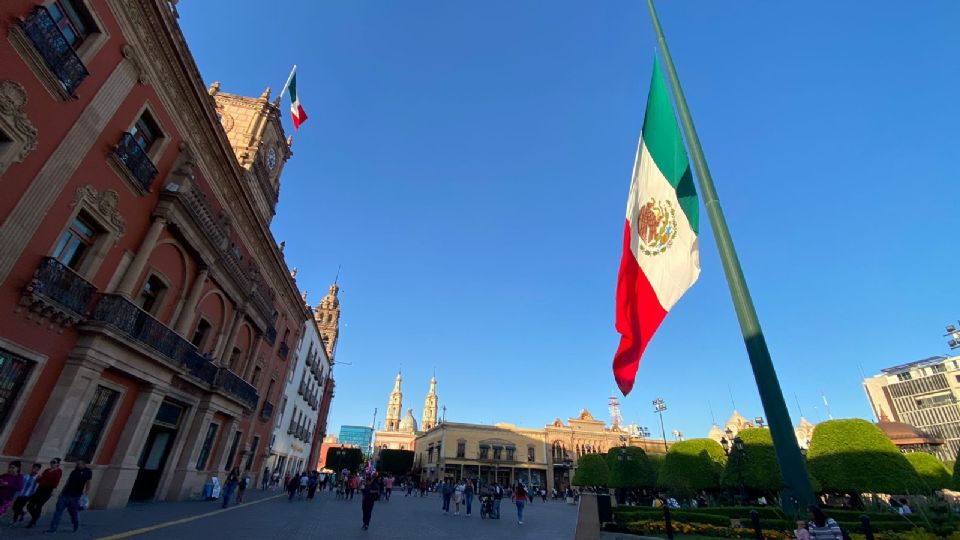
[[408, 423]]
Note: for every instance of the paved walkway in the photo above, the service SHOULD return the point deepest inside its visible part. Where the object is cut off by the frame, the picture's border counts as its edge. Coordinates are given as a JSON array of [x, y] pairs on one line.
[[268, 515]]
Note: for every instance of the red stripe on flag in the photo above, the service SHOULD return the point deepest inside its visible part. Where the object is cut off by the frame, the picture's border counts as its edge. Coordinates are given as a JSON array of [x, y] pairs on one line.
[[299, 117], [639, 314]]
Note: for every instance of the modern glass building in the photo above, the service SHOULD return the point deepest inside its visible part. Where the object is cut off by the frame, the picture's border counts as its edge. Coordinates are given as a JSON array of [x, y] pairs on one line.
[[358, 435]]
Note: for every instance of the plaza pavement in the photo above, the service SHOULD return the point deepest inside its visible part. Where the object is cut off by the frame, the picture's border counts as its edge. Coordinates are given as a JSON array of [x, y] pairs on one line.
[[268, 515]]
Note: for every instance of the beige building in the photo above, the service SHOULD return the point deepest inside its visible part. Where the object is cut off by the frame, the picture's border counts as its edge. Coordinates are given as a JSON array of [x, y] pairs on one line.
[[506, 454], [925, 395]]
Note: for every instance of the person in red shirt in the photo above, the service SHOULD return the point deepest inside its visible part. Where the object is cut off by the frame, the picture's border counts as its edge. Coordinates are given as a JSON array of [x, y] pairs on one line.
[[46, 483], [520, 497]]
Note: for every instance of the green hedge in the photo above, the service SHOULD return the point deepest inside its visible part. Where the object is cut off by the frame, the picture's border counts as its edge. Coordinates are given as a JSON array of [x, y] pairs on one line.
[[630, 468], [591, 471], [770, 517], [931, 470], [692, 466], [756, 464]]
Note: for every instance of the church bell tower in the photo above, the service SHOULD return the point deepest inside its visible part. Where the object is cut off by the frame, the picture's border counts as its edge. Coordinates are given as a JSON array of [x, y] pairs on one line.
[[394, 407]]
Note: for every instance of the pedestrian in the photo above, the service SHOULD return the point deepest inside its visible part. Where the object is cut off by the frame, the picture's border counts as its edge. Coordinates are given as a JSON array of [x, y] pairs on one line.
[[821, 527], [242, 486], [312, 483], [355, 485], [29, 488], [446, 491], [497, 497], [520, 498], [387, 487], [423, 487], [457, 498], [265, 479], [48, 481], [468, 497], [11, 484], [370, 494], [73, 496], [304, 481], [233, 479], [292, 485], [543, 494]]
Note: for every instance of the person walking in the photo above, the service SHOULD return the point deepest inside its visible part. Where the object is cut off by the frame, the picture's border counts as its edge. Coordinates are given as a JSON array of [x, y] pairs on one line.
[[370, 494], [387, 487], [313, 481], [446, 491], [497, 497], [468, 496], [242, 486], [46, 483], [233, 479], [423, 487], [520, 498], [457, 498], [11, 484], [304, 481], [76, 488], [292, 485], [265, 479], [29, 488]]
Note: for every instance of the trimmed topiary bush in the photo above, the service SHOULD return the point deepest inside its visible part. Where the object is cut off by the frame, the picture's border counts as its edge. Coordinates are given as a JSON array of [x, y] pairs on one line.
[[931, 471], [692, 466], [629, 468], [591, 471], [956, 473], [854, 456], [756, 465]]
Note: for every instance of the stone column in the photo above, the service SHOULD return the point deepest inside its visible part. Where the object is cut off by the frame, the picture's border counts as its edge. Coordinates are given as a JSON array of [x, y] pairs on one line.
[[132, 275], [188, 310], [186, 476], [231, 339], [64, 409], [229, 431], [114, 488], [224, 338]]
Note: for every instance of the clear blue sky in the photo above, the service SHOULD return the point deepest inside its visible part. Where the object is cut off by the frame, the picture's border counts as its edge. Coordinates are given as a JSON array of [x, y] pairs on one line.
[[468, 164]]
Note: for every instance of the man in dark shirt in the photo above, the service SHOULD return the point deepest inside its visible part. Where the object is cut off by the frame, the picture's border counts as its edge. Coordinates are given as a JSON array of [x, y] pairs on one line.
[[75, 488]]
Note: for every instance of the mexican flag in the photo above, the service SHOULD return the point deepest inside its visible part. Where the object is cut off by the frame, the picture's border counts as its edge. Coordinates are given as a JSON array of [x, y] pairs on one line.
[[296, 110], [661, 259]]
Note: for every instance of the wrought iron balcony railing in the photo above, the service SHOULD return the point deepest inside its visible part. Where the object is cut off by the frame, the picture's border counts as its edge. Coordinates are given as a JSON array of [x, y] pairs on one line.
[[127, 317], [240, 389], [57, 292], [136, 160], [200, 366], [53, 47], [284, 351]]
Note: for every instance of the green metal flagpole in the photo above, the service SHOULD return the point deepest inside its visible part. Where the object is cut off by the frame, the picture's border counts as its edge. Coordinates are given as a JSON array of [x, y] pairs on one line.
[[798, 492]]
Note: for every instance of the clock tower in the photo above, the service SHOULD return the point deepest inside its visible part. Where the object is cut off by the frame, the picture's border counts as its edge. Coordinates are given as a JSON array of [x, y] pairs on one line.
[[256, 134]]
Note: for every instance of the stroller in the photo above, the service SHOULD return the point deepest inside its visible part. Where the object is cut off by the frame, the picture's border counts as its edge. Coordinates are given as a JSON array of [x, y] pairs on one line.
[[486, 506]]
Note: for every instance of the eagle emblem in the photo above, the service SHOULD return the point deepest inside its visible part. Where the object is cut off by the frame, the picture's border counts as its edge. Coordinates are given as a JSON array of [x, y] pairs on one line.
[[656, 226]]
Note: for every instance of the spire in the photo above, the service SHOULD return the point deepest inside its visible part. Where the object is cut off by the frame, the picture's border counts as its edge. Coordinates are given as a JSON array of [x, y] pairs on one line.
[[394, 406], [429, 418], [327, 318]]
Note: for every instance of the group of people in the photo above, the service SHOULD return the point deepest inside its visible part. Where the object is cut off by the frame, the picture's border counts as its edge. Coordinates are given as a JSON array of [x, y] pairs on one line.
[[462, 494], [27, 493], [304, 484]]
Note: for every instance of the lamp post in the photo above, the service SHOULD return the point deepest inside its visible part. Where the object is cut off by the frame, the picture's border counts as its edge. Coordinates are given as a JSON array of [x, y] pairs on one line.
[[729, 445], [759, 421], [658, 407], [954, 334], [678, 435]]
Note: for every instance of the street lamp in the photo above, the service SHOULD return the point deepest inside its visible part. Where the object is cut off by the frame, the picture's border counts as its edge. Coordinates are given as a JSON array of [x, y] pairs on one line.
[[658, 407], [759, 421], [678, 434], [954, 334], [728, 448]]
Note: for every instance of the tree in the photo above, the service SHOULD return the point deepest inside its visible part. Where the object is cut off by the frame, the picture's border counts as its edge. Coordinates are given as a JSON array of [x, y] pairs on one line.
[[343, 458], [592, 470], [692, 466], [398, 462], [629, 468], [854, 456], [656, 463], [755, 466], [931, 470], [956, 472]]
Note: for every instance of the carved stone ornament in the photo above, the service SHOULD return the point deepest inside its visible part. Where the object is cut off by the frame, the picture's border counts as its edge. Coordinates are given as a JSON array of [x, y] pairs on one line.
[[106, 204], [15, 124], [130, 54]]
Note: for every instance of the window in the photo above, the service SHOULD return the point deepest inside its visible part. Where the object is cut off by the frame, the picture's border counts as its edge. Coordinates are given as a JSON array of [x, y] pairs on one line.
[[234, 358], [91, 425], [256, 377], [75, 242], [461, 449], [151, 295], [531, 454], [484, 452], [430, 454], [938, 368], [207, 446], [510, 453], [497, 452], [233, 449], [253, 452], [13, 376], [145, 132], [200, 334], [72, 19]]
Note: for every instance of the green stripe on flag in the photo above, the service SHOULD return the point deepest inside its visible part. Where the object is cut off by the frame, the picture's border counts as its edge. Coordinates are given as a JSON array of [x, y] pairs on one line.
[[293, 89], [661, 135]]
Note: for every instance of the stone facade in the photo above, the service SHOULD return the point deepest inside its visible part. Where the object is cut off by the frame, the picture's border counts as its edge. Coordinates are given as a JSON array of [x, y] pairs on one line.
[[149, 311]]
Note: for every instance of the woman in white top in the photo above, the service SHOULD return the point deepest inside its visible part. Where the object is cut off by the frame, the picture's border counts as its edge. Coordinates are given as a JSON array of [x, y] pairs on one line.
[[458, 497]]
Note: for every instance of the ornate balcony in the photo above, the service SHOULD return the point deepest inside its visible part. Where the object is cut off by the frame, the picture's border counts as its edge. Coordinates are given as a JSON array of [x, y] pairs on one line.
[[200, 366], [233, 384], [141, 170], [266, 412], [57, 54], [127, 317], [270, 335], [283, 351], [57, 293]]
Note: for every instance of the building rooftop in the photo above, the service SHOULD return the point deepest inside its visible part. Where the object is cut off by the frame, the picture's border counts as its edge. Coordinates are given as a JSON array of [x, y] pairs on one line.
[[915, 364]]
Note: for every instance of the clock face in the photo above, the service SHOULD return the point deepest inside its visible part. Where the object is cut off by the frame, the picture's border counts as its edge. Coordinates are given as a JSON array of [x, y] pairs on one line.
[[271, 158]]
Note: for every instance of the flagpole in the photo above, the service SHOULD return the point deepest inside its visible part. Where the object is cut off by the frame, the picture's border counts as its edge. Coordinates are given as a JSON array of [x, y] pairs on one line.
[[798, 492], [287, 84]]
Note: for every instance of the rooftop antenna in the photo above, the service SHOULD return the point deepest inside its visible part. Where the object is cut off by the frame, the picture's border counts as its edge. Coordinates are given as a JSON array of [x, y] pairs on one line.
[[799, 408], [826, 404], [732, 402], [337, 278], [713, 419], [615, 417]]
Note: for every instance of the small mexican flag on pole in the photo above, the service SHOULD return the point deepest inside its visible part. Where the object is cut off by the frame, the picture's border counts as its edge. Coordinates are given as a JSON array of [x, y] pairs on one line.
[[661, 257], [296, 110]]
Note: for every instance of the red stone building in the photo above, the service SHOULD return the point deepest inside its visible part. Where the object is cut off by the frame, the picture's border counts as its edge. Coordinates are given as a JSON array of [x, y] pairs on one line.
[[147, 311]]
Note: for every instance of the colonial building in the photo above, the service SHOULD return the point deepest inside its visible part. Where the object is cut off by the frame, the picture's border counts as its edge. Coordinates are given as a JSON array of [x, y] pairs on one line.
[[924, 395], [297, 423], [401, 433], [326, 316], [803, 432], [507, 454], [148, 311]]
